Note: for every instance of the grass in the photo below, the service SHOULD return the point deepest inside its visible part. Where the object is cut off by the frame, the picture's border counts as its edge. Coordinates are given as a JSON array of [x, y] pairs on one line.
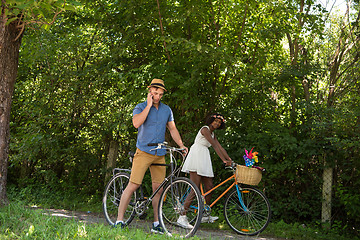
[[20, 222], [299, 231], [17, 221], [281, 230]]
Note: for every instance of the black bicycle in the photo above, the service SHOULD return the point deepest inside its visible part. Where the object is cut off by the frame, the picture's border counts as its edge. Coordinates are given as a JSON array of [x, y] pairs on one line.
[[171, 204]]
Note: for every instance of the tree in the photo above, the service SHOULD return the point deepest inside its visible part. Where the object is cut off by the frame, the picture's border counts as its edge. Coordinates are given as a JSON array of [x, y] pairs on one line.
[[342, 77], [9, 55], [15, 16]]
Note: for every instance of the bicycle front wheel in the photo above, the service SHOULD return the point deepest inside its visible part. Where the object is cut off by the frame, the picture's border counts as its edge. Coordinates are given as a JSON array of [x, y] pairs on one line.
[[247, 211], [111, 199], [180, 198]]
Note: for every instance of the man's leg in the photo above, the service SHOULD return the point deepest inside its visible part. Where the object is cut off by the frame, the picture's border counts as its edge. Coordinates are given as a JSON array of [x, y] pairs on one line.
[[157, 177], [155, 201], [139, 166], [125, 199]]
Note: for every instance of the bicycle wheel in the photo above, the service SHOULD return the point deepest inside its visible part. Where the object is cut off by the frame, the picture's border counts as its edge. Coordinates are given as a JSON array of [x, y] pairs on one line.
[[247, 211], [171, 207], [112, 196]]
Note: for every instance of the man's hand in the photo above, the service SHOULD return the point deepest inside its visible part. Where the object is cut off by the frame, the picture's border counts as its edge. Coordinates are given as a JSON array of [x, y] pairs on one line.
[[149, 99], [185, 151]]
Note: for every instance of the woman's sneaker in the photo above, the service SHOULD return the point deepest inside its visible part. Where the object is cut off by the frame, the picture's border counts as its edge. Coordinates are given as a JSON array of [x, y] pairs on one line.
[[157, 229], [183, 222], [209, 219]]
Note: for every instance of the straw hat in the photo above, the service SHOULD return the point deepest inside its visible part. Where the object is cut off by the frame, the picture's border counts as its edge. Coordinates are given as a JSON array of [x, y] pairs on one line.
[[158, 83]]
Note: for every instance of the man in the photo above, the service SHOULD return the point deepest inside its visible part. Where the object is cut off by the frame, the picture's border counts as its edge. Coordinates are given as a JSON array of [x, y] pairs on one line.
[[151, 118]]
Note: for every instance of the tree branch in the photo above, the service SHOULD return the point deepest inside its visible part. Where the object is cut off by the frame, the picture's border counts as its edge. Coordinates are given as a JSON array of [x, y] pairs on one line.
[[162, 31]]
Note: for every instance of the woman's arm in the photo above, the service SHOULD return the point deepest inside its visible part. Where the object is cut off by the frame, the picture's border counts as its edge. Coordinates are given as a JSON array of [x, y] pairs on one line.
[[220, 151]]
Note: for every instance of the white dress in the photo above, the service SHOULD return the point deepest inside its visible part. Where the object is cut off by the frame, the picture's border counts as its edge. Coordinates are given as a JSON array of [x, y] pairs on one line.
[[199, 160]]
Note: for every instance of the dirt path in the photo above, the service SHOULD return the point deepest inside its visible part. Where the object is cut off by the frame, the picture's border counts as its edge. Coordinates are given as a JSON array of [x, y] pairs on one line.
[[202, 233]]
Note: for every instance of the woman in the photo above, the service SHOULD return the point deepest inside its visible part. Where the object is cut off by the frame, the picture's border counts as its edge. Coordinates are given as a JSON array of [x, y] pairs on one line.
[[198, 162]]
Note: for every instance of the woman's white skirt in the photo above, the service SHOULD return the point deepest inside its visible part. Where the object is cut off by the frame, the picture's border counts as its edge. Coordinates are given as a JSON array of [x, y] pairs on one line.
[[198, 160]]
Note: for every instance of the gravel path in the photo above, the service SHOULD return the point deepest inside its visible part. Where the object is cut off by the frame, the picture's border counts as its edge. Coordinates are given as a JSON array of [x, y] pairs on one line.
[[137, 223]]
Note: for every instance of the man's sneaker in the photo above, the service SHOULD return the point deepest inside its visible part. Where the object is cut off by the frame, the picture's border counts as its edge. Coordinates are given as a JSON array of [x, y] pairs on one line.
[[120, 225], [183, 222], [209, 219], [158, 229]]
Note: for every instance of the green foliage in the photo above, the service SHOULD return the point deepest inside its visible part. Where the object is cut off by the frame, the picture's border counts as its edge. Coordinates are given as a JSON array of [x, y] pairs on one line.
[[79, 81], [302, 232], [36, 12], [54, 196]]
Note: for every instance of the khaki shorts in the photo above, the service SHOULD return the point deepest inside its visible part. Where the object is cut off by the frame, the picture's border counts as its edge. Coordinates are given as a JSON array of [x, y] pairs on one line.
[[141, 162]]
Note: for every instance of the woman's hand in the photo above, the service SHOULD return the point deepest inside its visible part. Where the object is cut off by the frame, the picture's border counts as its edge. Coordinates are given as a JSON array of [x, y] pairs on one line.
[[228, 163]]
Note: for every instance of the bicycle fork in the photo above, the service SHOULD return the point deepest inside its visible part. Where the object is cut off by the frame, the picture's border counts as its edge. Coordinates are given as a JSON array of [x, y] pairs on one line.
[[240, 199]]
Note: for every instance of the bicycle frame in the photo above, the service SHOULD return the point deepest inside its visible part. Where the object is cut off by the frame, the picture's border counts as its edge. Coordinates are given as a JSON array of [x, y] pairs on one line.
[[246, 209], [167, 179], [220, 184], [223, 194]]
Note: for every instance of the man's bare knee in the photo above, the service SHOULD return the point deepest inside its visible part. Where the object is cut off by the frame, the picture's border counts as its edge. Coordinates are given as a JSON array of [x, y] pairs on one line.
[[132, 187]]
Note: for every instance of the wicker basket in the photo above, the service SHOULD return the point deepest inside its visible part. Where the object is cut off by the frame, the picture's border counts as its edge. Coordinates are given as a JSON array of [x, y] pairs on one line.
[[246, 175]]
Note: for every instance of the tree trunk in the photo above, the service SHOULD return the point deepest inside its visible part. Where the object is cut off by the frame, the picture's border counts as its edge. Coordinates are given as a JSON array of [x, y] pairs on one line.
[[9, 57], [326, 194], [111, 158]]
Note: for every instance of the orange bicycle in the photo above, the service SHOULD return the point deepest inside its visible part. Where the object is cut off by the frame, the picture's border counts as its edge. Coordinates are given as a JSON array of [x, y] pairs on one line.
[[246, 209]]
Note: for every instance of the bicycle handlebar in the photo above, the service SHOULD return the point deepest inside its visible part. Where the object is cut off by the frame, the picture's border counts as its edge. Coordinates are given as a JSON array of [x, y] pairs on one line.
[[232, 166], [164, 145]]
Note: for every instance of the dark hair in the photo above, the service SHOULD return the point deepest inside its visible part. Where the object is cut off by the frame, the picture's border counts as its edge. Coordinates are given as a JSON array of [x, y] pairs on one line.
[[213, 116]]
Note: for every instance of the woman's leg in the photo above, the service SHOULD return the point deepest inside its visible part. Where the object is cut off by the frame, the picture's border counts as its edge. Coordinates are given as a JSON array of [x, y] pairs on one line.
[[196, 179], [183, 220], [208, 185]]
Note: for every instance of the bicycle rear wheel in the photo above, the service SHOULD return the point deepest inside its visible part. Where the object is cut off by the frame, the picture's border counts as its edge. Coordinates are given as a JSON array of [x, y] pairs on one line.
[[247, 211], [171, 207], [112, 196]]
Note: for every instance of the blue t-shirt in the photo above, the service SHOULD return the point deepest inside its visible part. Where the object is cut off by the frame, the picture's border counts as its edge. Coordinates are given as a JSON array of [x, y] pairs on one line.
[[154, 128]]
